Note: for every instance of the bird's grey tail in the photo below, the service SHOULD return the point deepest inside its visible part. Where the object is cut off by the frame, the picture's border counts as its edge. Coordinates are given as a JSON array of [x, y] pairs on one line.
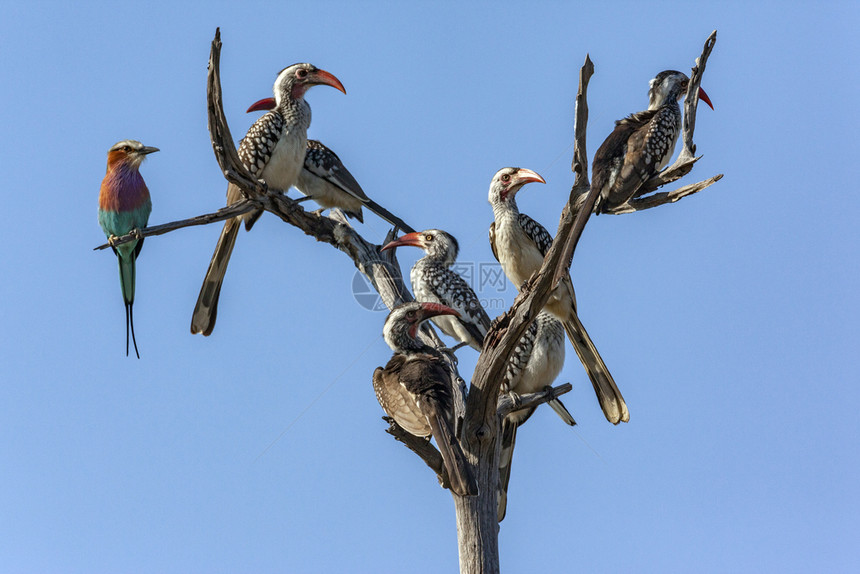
[[509, 439], [127, 278], [459, 473], [127, 275], [611, 401], [206, 309], [562, 411], [388, 216]]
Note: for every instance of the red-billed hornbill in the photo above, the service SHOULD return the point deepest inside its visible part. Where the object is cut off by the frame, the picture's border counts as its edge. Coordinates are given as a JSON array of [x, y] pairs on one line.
[[414, 389], [534, 365], [433, 281], [520, 244], [272, 150], [642, 143]]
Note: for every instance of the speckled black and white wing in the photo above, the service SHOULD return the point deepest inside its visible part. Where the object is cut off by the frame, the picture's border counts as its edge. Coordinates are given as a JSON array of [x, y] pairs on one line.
[[650, 148], [519, 358], [255, 151], [259, 143], [435, 283], [324, 163], [610, 155], [536, 232], [660, 139], [535, 363], [639, 147]]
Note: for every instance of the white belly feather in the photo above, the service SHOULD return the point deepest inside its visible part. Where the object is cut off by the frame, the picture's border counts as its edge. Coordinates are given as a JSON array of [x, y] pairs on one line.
[[288, 157]]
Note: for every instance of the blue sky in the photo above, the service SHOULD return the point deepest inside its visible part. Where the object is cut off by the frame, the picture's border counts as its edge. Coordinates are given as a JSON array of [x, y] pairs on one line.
[[729, 320]]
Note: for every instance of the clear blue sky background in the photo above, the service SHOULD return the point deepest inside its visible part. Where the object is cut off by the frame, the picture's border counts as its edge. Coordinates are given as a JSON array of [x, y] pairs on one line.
[[729, 319]]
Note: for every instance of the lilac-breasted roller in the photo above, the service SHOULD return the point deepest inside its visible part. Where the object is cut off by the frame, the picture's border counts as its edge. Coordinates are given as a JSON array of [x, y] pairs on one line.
[[124, 205]]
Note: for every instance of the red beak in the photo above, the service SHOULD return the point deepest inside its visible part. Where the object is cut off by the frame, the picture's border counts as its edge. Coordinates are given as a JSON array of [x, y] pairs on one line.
[[323, 77], [408, 239], [704, 97], [264, 104], [525, 176], [434, 309]]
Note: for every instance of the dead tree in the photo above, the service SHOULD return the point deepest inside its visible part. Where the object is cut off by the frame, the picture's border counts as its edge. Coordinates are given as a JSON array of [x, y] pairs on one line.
[[478, 407]]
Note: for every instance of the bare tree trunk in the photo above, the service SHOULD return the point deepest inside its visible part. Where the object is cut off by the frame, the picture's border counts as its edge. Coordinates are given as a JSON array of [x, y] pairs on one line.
[[477, 527]]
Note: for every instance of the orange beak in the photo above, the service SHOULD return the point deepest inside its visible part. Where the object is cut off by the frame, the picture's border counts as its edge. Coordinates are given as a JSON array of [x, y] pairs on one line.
[[323, 77], [525, 176], [411, 239]]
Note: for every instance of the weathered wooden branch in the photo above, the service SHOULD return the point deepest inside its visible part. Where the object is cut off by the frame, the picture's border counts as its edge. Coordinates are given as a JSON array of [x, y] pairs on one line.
[[422, 447], [507, 405], [657, 199], [477, 526], [229, 212], [691, 102], [510, 327], [579, 167], [219, 132]]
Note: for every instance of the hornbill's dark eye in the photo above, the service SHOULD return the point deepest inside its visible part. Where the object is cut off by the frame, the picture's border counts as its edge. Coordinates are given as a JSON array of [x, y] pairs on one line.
[[506, 177], [302, 74]]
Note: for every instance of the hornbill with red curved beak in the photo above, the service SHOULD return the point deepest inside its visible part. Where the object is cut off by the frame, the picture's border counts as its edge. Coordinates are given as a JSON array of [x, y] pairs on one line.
[[520, 244], [273, 150], [433, 281], [414, 389], [641, 144]]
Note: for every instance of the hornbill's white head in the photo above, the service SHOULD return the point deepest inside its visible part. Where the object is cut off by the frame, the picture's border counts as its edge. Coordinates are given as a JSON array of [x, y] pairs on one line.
[[439, 245], [293, 82], [508, 181], [671, 86], [401, 327]]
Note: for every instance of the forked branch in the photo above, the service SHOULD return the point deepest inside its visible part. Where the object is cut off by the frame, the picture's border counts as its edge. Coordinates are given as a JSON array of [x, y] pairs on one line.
[[477, 525], [507, 405], [656, 199], [380, 268], [422, 447]]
